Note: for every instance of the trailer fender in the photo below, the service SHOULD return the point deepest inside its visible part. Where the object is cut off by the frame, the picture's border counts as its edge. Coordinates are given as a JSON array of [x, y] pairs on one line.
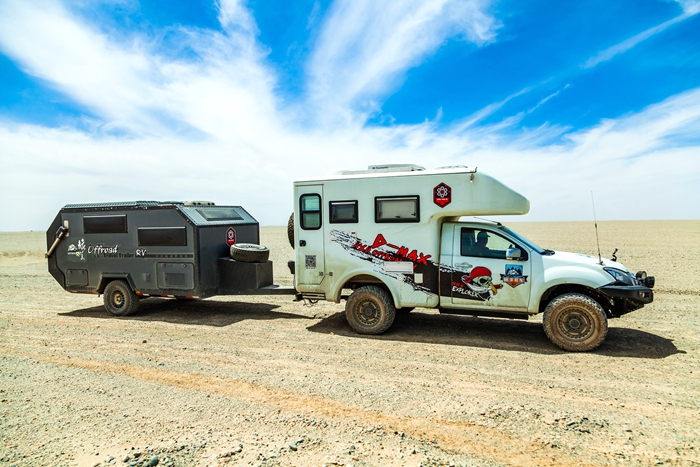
[[109, 277]]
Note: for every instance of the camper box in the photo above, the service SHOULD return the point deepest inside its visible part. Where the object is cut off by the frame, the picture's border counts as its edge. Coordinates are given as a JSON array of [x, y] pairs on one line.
[[179, 249], [390, 216]]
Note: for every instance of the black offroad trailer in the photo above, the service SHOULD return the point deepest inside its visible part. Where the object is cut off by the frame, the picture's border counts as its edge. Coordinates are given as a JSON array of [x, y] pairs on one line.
[[130, 250]]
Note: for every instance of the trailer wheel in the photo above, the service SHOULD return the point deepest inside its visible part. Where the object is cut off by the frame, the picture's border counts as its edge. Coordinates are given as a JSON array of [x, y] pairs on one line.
[[290, 230], [119, 299], [370, 310], [249, 253], [575, 322]]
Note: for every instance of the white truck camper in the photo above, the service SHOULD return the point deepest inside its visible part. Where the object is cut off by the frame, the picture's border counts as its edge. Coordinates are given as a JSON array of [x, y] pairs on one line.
[[392, 236]]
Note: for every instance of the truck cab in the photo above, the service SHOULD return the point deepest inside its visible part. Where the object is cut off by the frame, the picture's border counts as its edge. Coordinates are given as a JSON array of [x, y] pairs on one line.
[[390, 238]]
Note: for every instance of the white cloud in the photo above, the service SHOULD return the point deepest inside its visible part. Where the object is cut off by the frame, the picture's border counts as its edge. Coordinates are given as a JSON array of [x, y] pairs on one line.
[[365, 45], [251, 147], [690, 9]]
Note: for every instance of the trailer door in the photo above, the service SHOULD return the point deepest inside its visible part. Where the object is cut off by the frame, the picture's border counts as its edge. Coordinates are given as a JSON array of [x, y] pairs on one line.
[[309, 235]]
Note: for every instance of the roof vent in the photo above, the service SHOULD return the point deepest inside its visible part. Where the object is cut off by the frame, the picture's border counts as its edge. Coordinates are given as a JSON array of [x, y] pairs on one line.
[[199, 203], [384, 168]]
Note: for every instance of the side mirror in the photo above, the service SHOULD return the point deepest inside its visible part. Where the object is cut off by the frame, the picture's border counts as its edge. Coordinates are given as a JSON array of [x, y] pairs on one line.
[[513, 253]]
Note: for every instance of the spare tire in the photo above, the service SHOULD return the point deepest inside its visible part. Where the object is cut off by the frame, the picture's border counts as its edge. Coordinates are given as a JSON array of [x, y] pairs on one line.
[[249, 253], [290, 230]]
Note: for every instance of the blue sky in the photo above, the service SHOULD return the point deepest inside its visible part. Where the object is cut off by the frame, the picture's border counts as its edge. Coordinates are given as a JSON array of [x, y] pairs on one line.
[[232, 100]]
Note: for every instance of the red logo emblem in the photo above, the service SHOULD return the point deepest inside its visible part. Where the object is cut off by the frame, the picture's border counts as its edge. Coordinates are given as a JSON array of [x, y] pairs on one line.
[[230, 236], [442, 195]]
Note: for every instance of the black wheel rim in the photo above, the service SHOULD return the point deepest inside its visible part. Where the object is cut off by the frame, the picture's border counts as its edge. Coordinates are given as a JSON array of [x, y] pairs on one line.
[[575, 325], [368, 313]]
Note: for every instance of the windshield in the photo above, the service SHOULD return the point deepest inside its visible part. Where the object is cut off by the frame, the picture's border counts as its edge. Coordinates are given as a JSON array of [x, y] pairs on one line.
[[529, 243]]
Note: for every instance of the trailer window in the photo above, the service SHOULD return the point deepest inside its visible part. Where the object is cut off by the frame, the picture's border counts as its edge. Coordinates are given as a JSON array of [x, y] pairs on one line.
[[310, 209], [220, 214], [162, 236], [343, 212], [397, 209], [104, 224]]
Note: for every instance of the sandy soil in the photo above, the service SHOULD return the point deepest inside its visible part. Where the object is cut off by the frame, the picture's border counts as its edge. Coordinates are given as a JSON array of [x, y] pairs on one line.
[[267, 381]]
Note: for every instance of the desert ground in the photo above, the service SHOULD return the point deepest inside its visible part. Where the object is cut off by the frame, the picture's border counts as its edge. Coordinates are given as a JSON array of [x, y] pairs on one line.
[[254, 380]]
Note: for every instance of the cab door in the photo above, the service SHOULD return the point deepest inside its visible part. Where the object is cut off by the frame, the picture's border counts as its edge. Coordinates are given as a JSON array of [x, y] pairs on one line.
[[309, 236], [482, 273]]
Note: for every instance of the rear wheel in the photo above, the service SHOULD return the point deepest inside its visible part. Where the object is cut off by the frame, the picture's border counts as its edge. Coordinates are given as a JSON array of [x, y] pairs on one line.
[[370, 310], [119, 299], [575, 322]]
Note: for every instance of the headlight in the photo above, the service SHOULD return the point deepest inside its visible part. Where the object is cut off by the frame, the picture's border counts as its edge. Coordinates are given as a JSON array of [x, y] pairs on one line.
[[621, 276]]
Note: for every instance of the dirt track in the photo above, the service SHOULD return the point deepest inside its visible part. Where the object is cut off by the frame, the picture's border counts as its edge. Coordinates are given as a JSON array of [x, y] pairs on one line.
[[267, 381]]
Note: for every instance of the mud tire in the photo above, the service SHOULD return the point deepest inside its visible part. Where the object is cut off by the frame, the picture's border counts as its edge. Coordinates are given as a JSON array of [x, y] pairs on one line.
[[370, 310], [290, 230], [575, 322], [249, 253], [119, 299]]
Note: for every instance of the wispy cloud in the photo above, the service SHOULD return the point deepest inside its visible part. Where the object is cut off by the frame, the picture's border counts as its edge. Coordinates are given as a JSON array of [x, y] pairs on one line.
[[365, 46], [250, 146], [690, 9]]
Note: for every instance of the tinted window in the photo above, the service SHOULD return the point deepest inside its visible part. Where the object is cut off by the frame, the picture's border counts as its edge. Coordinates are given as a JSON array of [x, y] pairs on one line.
[[397, 209], [485, 243], [162, 236], [219, 214], [104, 224], [310, 209], [343, 212]]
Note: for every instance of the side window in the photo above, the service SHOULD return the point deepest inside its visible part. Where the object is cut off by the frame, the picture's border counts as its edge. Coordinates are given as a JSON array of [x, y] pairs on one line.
[[310, 210], [484, 243], [343, 212], [104, 224], [162, 236], [397, 209]]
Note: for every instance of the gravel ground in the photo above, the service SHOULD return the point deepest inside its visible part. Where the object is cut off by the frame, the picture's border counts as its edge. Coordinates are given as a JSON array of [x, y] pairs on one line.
[[266, 381]]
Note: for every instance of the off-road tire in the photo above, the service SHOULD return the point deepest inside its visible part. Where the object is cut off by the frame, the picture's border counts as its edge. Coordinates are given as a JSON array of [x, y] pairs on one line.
[[249, 253], [119, 299], [290, 230], [370, 310], [575, 322]]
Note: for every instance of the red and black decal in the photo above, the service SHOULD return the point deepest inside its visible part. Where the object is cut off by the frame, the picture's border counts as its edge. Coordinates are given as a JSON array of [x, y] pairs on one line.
[[442, 195], [231, 236]]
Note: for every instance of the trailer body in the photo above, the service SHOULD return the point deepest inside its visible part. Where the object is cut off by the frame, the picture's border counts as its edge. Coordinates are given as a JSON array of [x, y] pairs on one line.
[[176, 249]]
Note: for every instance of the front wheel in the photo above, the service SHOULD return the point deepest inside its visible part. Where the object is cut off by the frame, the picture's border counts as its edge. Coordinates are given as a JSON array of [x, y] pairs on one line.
[[119, 299], [575, 322], [370, 310]]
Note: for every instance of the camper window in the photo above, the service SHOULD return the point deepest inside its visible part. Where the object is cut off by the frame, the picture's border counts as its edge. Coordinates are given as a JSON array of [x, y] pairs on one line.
[[162, 236], [104, 224], [310, 207], [397, 209], [343, 212]]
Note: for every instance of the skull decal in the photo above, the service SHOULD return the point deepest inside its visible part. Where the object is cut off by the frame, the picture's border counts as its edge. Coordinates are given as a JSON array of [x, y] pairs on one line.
[[480, 281]]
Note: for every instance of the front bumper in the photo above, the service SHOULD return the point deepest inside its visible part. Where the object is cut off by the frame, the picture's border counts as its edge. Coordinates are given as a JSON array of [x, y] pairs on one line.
[[626, 298]]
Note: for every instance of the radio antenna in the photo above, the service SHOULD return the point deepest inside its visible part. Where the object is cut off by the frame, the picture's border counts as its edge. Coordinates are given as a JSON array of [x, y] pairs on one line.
[[595, 223]]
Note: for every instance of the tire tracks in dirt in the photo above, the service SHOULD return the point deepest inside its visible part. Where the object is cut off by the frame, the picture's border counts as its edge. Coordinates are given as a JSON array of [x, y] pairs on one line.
[[454, 435]]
